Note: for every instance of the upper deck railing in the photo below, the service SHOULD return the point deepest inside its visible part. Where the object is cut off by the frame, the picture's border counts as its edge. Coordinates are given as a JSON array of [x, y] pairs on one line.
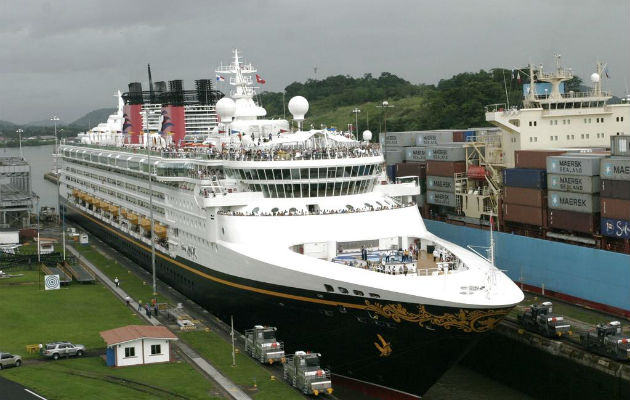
[[280, 153]]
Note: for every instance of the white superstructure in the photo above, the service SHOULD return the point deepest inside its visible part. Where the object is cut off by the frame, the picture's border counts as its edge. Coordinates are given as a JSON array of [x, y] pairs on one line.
[[551, 118]]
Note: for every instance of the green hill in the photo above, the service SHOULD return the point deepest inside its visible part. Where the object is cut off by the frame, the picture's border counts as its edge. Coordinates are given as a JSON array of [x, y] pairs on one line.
[[454, 103], [93, 118]]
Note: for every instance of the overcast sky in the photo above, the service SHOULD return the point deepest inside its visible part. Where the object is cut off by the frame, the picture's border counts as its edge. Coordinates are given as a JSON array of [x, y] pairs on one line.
[[68, 57]]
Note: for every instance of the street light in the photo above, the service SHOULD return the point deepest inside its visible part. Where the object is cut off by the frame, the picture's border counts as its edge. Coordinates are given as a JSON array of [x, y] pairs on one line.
[[385, 106], [356, 112], [19, 132], [55, 118]]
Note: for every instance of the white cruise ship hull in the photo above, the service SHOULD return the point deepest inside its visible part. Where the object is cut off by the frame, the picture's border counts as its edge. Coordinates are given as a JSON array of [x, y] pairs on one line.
[[389, 349]]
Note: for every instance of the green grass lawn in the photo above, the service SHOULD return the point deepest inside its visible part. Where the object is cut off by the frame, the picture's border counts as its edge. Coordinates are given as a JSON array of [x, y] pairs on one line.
[[129, 282], [90, 378], [246, 372], [76, 313]]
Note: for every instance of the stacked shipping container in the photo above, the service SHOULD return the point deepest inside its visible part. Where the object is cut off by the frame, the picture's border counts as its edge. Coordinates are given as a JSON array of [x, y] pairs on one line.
[[615, 190], [443, 162], [573, 198], [524, 191]]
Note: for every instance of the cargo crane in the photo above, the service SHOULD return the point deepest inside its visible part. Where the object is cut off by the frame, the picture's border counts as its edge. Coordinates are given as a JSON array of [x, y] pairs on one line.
[[540, 319], [607, 340]]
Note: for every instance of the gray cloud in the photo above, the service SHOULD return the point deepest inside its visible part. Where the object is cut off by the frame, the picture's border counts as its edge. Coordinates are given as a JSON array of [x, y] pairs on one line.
[[68, 57]]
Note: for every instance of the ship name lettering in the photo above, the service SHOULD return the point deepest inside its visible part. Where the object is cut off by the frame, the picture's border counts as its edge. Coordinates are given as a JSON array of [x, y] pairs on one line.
[[570, 201], [621, 169]]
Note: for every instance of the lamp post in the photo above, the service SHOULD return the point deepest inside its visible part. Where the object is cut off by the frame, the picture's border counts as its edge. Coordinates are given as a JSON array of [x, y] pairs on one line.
[[385, 106], [148, 146], [356, 112], [19, 132], [54, 119]]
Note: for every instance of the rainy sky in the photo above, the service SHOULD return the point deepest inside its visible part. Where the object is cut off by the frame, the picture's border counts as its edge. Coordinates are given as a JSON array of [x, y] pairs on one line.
[[68, 57]]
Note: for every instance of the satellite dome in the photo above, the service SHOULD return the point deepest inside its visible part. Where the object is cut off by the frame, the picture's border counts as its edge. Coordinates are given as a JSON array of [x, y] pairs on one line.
[[595, 77], [298, 107], [226, 109], [367, 135]]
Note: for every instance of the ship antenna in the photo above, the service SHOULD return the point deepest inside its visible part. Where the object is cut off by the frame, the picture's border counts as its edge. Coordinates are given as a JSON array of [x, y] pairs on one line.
[[507, 98], [151, 94]]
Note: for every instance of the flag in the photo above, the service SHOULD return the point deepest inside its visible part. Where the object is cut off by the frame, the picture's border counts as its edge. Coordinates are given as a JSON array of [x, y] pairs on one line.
[[606, 71], [518, 77], [220, 78], [260, 80], [491, 221]]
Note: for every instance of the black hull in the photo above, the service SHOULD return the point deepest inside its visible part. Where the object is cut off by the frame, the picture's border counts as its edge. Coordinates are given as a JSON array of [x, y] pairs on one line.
[[423, 345]]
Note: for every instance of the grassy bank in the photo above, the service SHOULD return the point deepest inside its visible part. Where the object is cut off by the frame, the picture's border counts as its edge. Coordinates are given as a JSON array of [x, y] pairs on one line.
[[247, 371], [89, 378], [76, 313]]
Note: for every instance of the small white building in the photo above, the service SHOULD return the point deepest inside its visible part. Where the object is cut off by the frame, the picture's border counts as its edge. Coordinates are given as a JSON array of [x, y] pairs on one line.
[[138, 344]]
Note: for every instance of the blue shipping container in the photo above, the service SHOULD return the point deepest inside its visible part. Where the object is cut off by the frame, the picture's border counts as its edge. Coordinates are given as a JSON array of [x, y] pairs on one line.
[[525, 178], [617, 228]]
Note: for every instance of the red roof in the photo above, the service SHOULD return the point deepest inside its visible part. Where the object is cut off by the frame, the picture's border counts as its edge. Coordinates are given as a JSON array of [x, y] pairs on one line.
[[132, 332]]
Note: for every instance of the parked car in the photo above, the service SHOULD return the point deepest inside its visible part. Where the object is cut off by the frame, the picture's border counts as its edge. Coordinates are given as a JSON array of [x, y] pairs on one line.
[[7, 360], [55, 350]]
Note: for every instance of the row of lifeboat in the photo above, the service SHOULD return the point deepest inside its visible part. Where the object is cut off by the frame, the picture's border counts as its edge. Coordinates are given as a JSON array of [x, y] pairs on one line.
[[159, 229]]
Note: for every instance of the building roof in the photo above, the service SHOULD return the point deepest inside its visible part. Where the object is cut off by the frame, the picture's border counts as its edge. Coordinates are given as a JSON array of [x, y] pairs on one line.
[[133, 332]]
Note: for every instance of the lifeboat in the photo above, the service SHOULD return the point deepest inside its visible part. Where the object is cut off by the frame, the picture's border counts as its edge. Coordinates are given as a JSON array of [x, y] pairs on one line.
[[160, 231], [113, 209], [132, 218], [123, 212], [145, 224]]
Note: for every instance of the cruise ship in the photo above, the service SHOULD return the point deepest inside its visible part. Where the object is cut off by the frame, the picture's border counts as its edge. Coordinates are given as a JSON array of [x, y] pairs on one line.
[[296, 229]]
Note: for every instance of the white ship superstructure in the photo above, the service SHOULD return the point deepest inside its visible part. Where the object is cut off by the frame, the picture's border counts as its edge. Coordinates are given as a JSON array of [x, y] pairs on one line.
[[266, 220], [554, 118]]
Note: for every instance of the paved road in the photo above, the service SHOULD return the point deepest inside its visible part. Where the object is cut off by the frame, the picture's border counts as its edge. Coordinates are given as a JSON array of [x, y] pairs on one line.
[[15, 391]]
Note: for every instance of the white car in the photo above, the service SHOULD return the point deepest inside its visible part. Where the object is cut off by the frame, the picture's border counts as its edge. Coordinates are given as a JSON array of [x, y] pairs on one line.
[[7, 359]]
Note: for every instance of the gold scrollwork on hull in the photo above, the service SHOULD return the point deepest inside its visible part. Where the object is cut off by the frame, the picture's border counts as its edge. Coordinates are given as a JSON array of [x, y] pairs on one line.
[[465, 320]]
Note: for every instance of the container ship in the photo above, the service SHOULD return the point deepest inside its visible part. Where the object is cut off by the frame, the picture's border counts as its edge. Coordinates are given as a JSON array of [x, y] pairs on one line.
[[285, 227], [556, 175]]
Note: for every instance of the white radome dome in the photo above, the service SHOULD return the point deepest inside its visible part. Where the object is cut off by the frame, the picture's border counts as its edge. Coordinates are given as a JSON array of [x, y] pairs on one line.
[[226, 108], [367, 135], [298, 107], [595, 77]]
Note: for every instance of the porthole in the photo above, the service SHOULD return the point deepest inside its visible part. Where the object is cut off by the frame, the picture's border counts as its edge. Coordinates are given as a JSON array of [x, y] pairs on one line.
[[342, 290], [376, 296], [358, 293], [329, 288]]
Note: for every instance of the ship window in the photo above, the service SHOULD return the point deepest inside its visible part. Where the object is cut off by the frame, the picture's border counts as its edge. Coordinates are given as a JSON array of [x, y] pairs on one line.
[[286, 174], [295, 174], [313, 173], [329, 288], [304, 173], [376, 296], [342, 290], [530, 123], [277, 174], [358, 292]]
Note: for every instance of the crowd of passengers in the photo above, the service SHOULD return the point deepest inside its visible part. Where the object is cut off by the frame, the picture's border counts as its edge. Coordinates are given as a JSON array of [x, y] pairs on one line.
[[394, 262], [306, 212], [281, 152]]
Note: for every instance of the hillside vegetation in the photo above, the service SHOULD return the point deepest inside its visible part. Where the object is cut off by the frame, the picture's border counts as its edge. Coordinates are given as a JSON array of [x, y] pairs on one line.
[[454, 103]]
